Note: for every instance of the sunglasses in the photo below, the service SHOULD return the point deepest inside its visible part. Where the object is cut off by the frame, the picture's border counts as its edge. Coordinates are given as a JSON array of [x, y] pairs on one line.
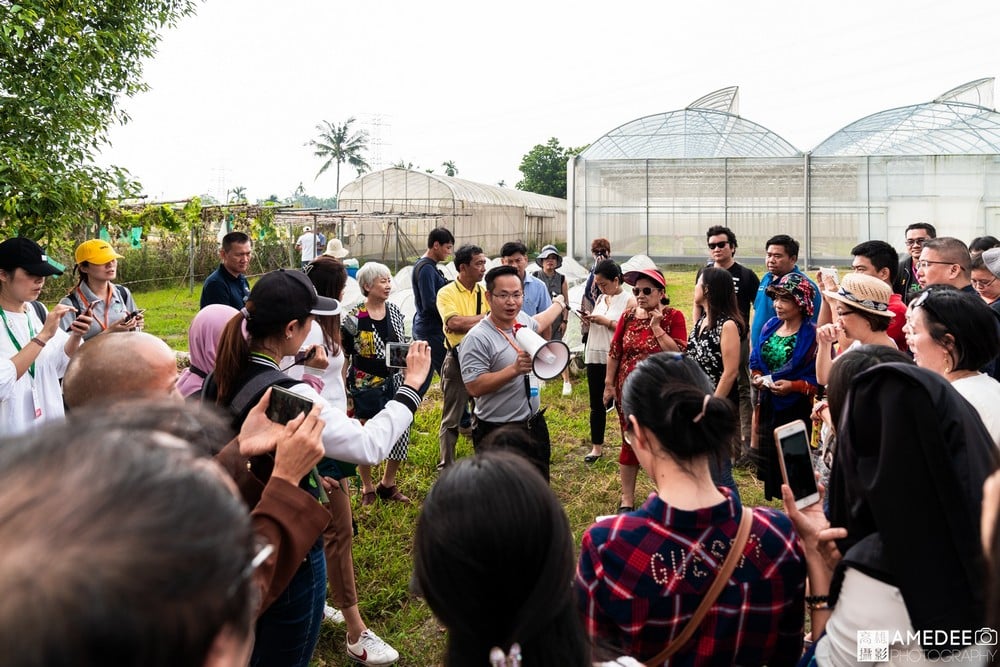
[[716, 246], [642, 290]]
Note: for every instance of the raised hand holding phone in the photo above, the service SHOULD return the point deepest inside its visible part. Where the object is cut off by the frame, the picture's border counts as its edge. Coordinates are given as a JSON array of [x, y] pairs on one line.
[[792, 443]]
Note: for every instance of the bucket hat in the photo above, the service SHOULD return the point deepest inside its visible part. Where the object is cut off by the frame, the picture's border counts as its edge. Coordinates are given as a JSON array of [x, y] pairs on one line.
[[546, 252]]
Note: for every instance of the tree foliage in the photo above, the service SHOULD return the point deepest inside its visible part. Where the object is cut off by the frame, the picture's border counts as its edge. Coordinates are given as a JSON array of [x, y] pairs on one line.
[[64, 68], [337, 144], [449, 168], [544, 169]]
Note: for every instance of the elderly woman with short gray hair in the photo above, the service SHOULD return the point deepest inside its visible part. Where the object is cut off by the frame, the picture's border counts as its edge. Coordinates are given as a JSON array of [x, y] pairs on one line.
[[367, 329]]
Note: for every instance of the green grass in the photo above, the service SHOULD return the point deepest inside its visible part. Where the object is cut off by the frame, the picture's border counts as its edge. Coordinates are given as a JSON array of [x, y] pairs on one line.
[[383, 546]]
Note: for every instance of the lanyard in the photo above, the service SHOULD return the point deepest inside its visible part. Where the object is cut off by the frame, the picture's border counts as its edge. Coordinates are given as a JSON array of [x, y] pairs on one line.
[[10, 332], [107, 307]]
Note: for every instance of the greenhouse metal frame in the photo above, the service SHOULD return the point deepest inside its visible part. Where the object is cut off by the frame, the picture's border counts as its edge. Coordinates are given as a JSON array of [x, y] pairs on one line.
[[656, 184]]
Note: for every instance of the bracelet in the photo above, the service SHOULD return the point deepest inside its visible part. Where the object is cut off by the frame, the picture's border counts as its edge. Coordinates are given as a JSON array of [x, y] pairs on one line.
[[817, 602], [38, 341]]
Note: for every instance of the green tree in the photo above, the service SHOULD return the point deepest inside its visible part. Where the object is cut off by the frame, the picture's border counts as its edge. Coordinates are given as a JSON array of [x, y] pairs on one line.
[[544, 169], [337, 144], [64, 68], [449, 168], [238, 195]]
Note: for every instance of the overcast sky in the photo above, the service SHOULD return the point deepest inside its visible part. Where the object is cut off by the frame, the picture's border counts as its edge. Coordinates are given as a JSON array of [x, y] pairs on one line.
[[237, 89]]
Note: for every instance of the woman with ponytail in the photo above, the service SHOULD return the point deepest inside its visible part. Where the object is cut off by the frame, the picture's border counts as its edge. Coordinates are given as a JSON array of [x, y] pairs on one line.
[[278, 316], [643, 576]]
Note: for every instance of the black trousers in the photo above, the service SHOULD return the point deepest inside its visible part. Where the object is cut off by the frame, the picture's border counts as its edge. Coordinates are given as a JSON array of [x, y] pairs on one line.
[[529, 438]]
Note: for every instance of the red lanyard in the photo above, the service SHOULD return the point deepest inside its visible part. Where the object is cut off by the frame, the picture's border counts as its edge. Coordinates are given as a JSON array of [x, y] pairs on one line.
[[107, 307]]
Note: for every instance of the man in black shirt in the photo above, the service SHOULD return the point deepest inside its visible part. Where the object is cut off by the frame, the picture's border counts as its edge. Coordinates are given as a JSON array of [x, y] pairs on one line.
[[722, 251], [228, 284]]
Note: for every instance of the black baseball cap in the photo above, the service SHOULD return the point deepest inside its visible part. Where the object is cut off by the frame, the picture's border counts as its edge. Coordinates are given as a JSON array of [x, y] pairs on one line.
[[22, 253], [283, 296]]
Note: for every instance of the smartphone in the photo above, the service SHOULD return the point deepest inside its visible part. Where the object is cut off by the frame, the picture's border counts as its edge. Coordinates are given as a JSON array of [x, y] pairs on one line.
[[395, 354], [830, 272], [286, 405], [610, 405], [134, 314], [302, 356], [792, 441], [579, 313]]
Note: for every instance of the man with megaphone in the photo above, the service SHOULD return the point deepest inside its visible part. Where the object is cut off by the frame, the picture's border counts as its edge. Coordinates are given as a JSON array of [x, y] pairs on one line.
[[498, 357]]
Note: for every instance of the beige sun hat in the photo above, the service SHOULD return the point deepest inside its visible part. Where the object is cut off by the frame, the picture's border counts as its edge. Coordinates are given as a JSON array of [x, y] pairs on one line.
[[863, 292], [335, 248]]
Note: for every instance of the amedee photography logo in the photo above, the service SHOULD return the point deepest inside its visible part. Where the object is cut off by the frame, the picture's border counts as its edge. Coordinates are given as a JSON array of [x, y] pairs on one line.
[[978, 646]]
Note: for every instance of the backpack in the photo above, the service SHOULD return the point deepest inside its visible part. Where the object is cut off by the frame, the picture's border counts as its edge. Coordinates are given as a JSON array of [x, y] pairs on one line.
[[40, 311]]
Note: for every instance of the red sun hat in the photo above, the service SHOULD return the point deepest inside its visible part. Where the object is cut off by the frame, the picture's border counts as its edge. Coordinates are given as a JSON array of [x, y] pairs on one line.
[[652, 274]]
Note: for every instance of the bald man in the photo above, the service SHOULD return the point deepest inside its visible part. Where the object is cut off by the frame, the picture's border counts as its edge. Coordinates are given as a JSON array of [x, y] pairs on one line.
[[118, 367], [127, 366]]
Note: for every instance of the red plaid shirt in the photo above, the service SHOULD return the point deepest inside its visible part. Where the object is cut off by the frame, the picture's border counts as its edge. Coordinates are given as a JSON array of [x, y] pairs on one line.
[[642, 575]]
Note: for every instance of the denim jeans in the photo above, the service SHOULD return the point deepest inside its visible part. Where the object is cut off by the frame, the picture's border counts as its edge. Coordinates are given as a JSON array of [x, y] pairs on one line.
[[722, 475], [288, 630]]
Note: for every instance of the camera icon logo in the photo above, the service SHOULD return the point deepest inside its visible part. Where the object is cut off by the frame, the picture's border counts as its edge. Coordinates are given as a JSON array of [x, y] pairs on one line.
[[986, 637]]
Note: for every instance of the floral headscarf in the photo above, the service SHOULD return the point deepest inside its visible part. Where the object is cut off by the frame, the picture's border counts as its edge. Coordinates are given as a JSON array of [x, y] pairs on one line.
[[796, 286]]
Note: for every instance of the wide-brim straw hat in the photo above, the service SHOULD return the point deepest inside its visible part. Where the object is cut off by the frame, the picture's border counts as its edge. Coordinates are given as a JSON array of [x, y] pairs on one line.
[[335, 248], [865, 293]]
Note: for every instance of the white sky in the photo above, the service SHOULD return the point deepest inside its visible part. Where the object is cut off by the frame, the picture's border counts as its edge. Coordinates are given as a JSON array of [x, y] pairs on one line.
[[237, 89]]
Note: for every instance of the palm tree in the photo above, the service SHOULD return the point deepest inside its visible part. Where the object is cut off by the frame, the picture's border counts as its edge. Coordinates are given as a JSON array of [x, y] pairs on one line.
[[239, 194], [337, 145], [449, 168], [502, 183]]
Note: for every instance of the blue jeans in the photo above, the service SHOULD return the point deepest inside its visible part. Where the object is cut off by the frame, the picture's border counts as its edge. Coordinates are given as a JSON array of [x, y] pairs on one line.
[[722, 475], [288, 631]]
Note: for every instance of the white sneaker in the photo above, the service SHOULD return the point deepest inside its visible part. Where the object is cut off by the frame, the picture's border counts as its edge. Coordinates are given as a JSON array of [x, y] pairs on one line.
[[370, 649], [567, 389], [333, 614]]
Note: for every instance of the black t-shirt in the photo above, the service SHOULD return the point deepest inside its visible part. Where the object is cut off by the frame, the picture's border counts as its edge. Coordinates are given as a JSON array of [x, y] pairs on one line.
[[746, 283]]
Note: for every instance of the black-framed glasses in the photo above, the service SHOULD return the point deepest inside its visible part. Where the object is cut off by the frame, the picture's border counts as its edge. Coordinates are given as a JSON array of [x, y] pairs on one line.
[[917, 242], [716, 246], [982, 284], [642, 290]]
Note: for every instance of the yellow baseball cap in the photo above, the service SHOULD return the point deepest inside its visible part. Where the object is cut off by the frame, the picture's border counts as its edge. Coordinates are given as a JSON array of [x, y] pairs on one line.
[[96, 251]]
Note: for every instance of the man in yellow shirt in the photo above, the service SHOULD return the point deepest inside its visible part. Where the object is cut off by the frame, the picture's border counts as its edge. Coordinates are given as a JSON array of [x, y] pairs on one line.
[[461, 303]]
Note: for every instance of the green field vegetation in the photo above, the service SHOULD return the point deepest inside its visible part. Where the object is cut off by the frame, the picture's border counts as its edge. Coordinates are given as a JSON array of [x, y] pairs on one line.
[[384, 543]]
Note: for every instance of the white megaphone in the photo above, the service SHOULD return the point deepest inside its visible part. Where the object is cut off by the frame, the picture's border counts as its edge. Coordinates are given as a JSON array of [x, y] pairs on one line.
[[549, 358]]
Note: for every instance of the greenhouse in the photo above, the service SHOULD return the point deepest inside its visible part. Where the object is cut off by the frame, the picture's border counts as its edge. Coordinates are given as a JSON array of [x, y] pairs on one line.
[[411, 203], [656, 184]]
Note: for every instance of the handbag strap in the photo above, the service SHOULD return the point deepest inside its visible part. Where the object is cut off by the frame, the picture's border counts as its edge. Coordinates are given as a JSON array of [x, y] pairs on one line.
[[721, 579]]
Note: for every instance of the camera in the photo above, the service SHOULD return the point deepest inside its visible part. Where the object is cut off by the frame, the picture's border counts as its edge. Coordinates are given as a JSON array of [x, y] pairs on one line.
[[986, 637]]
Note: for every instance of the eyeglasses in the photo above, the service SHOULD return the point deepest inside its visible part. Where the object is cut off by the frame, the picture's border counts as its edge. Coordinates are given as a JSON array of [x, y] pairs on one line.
[[642, 290], [924, 263], [716, 246], [981, 284], [916, 242], [504, 296], [845, 312]]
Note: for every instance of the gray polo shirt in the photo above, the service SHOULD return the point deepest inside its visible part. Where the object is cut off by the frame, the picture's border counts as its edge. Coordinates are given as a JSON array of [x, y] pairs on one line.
[[485, 350]]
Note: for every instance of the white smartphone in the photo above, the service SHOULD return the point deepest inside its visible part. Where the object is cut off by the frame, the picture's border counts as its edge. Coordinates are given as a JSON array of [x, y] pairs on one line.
[[831, 272], [395, 354], [792, 441]]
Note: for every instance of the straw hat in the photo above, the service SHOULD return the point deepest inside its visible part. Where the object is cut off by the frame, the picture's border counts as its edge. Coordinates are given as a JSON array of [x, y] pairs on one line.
[[863, 292], [334, 248]]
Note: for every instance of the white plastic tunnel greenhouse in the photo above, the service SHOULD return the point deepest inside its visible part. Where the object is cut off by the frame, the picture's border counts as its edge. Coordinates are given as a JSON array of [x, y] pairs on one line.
[[407, 204]]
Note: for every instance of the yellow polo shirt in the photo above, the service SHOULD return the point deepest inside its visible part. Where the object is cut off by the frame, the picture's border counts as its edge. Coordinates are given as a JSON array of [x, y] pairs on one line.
[[453, 299]]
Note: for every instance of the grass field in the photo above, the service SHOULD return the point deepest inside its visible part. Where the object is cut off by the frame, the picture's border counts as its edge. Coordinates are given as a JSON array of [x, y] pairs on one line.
[[382, 548]]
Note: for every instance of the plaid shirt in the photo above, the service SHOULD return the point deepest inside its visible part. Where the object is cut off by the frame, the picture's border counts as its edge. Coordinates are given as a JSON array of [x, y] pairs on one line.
[[642, 575]]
